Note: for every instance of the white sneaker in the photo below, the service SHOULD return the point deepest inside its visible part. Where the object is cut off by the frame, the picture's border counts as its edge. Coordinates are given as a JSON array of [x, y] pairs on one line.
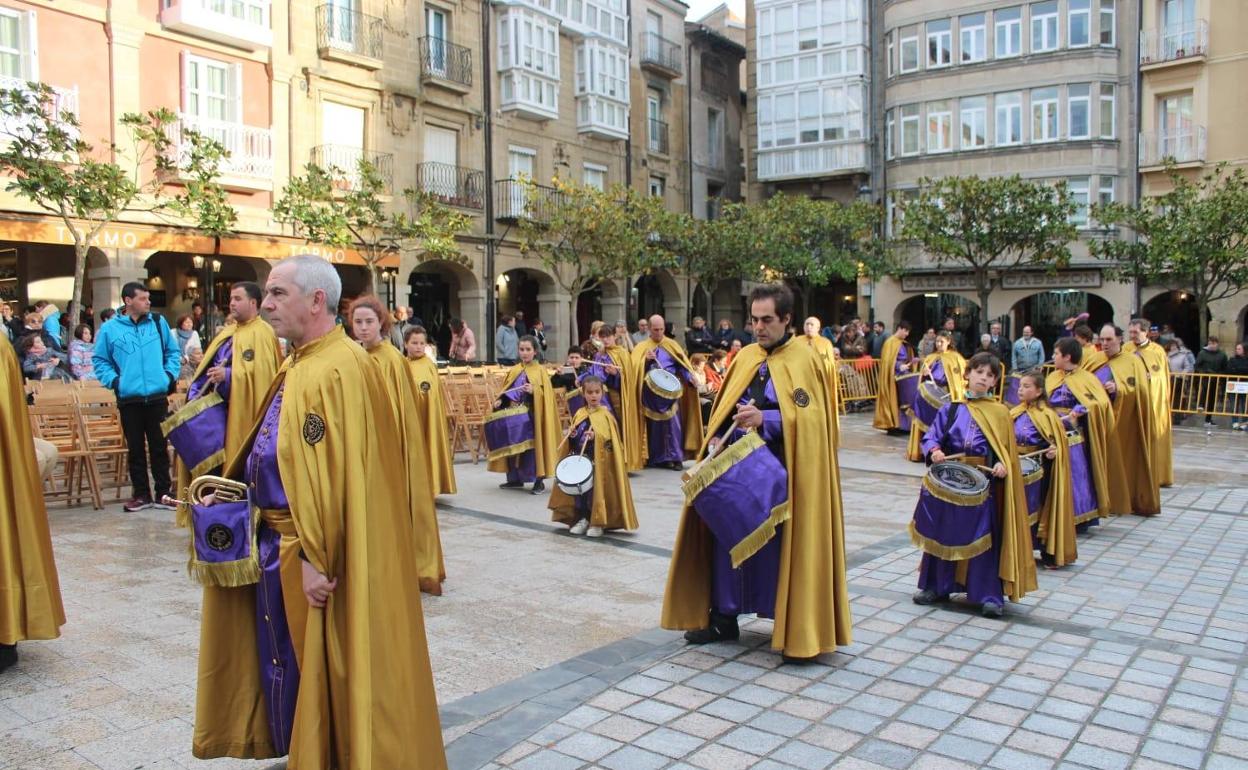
[[594, 532], [580, 526]]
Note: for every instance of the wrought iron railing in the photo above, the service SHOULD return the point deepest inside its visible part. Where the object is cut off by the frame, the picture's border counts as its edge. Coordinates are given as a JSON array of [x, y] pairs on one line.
[[250, 149], [344, 162], [452, 185], [445, 60], [348, 30], [1174, 42], [518, 199], [661, 52], [656, 136], [1183, 146]]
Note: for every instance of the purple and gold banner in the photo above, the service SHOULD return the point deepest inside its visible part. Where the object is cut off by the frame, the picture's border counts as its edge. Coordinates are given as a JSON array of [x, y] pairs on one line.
[[197, 433]]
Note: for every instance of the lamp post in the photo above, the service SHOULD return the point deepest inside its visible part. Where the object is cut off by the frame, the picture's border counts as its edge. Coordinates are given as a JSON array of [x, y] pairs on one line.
[[198, 262]]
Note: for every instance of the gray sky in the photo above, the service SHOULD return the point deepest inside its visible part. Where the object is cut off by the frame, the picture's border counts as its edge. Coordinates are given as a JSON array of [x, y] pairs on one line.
[[699, 8]]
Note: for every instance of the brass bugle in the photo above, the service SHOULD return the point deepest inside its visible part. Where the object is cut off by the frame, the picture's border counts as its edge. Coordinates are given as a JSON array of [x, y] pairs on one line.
[[225, 490]]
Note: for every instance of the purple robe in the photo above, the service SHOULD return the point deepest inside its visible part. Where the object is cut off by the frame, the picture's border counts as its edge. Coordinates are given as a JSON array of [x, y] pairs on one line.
[[583, 504], [223, 357], [1028, 435], [665, 439], [962, 435], [751, 588], [938, 373], [612, 382], [522, 467], [1064, 401], [902, 364]]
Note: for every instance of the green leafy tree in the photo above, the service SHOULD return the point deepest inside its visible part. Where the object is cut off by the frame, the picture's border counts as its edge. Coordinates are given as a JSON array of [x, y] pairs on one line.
[[53, 167], [1195, 236], [351, 210], [988, 227], [712, 250], [585, 236]]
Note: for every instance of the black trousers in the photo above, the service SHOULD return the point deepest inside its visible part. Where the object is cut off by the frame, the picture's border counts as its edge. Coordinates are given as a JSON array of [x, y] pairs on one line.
[[140, 421]]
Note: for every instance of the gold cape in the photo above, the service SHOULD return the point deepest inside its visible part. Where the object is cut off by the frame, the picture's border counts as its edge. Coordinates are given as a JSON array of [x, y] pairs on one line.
[[432, 407], [812, 601], [955, 368], [628, 408], [366, 698], [401, 387], [546, 433], [823, 348], [1018, 562], [254, 362], [30, 590], [887, 410], [1136, 490], [1092, 359], [690, 406], [1158, 366], [1091, 394], [1056, 523], [613, 498]]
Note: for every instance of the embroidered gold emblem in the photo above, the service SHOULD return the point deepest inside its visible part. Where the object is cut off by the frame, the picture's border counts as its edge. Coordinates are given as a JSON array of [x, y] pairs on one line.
[[219, 537], [425, 386], [801, 397], [1131, 381], [313, 429], [249, 355]]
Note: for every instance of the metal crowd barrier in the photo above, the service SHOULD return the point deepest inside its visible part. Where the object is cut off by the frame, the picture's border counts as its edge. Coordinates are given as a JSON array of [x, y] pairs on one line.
[[1215, 395]]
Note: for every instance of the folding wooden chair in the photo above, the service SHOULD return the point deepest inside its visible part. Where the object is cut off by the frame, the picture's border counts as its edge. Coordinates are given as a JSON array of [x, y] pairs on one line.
[[73, 480], [561, 406], [477, 403], [108, 459]]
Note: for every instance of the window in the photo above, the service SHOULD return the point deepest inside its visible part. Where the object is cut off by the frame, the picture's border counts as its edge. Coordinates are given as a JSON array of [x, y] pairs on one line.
[[1044, 114], [1108, 23], [939, 43], [939, 126], [910, 129], [18, 50], [1105, 193], [1078, 188], [891, 54], [1079, 111], [595, 176], [1177, 129], [974, 122], [715, 137], [656, 186], [909, 54], [1108, 111], [656, 134], [1008, 26], [528, 57], [973, 48], [890, 126], [1079, 23], [1009, 118], [211, 89], [1044, 26]]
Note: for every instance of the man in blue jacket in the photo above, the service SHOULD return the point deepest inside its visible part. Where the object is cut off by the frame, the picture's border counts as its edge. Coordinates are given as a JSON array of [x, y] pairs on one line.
[[137, 356]]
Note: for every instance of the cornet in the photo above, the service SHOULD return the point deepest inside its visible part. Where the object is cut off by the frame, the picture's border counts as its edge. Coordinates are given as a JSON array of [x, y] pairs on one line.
[[224, 490]]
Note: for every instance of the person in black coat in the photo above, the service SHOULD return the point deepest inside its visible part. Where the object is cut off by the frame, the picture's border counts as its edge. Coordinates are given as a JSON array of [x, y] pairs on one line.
[[698, 338]]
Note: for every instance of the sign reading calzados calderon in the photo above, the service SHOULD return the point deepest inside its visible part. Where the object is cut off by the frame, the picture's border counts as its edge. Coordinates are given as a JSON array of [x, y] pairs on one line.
[[1062, 279]]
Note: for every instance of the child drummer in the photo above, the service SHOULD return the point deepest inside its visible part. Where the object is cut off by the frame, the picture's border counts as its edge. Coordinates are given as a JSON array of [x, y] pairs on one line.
[[528, 384], [1039, 431], [609, 503], [978, 432]]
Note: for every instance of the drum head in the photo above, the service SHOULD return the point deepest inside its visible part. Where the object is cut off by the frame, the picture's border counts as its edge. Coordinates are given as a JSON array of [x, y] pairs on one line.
[[1031, 466], [934, 393], [664, 382], [574, 470], [959, 478]]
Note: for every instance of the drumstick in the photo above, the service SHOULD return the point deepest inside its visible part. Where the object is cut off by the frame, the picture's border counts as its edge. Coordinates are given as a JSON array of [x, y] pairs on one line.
[[584, 443], [1033, 454]]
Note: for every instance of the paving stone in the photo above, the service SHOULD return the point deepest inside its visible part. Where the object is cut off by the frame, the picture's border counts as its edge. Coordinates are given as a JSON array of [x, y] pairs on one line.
[[1183, 736], [805, 756], [963, 748], [780, 724], [548, 760], [982, 730], [584, 716], [732, 710], [1015, 698], [622, 728], [1012, 759], [851, 719], [1121, 721], [759, 696], [653, 712], [587, 746], [713, 683], [1048, 725], [1172, 754], [643, 685], [832, 738], [633, 758], [1097, 757], [751, 740], [886, 754], [722, 758], [875, 704], [703, 726], [928, 717], [668, 742]]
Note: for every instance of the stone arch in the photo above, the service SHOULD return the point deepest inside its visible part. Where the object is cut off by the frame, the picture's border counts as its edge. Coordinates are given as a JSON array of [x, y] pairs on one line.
[[1179, 310], [924, 311], [1045, 312], [1241, 332], [437, 291], [658, 293]]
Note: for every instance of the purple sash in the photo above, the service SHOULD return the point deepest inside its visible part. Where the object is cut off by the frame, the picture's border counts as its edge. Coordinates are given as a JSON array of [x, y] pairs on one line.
[[575, 401], [508, 432], [907, 389], [197, 433], [928, 401], [224, 547]]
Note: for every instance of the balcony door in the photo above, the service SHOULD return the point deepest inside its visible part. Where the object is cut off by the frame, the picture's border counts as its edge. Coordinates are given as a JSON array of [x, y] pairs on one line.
[[437, 28], [342, 134], [654, 121], [520, 169], [1178, 18], [439, 174], [654, 35], [1177, 130], [342, 23]]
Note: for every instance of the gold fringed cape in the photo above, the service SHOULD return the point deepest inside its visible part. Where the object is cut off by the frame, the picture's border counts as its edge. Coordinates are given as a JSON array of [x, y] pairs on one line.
[[689, 405], [887, 410], [432, 407], [366, 698], [1056, 525], [822, 347], [254, 362], [1091, 394], [411, 419], [628, 408], [1092, 359], [1132, 441], [1018, 563], [955, 375], [1158, 367], [30, 590], [812, 601], [613, 498], [546, 433]]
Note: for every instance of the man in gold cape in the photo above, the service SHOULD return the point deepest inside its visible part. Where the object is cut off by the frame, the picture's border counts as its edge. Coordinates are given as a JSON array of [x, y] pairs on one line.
[[537, 462], [1133, 487], [671, 441], [1067, 380], [894, 360], [372, 330], [238, 366], [808, 589], [822, 347], [1055, 524], [625, 401], [365, 698], [30, 591], [953, 367], [1158, 366], [431, 406], [611, 498]]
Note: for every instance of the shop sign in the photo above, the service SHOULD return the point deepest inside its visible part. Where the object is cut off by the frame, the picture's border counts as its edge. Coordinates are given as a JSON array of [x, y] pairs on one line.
[[937, 282], [1062, 279]]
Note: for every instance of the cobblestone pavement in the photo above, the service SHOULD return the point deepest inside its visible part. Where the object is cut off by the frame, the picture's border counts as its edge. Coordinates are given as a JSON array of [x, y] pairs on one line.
[[546, 654]]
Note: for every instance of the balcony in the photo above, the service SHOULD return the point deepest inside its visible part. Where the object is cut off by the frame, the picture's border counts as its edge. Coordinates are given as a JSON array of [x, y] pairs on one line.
[[661, 55], [344, 161], [452, 185], [446, 64], [1186, 146], [249, 165], [601, 117], [515, 199], [1174, 44], [348, 36], [812, 161], [656, 136], [241, 23]]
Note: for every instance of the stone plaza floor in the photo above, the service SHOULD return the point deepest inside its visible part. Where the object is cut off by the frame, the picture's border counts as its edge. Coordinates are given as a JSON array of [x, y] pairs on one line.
[[546, 653]]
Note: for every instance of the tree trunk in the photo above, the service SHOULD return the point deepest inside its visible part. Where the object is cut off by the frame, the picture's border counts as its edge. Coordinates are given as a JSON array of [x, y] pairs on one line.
[[372, 277], [80, 277], [1202, 306], [574, 335]]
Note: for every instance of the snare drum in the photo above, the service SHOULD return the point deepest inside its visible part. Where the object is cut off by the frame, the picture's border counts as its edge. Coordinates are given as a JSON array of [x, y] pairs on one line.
[[197, 433], [574, 474], [508, 432], [907, 389], [953, 518], [1033, 486], [660, 394], [931, 396]]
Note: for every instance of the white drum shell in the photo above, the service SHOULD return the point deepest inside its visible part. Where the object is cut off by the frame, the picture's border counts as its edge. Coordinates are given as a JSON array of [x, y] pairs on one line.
[[574, 475]]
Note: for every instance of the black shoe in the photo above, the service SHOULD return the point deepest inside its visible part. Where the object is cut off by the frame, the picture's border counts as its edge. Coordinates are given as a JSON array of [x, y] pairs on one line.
[[674, 466], [722, 628], [792, 661], [992, 610], [511, 485], [8, 655], [539, 487], [926, 597]]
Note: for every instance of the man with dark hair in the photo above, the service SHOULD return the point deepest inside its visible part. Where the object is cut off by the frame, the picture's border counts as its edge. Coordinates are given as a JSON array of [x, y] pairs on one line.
[[1158, 364], [1133, 486], [674, 435], [951, 326], [137, 356], [1079, 397], [776, 400], [506, 341], [890, 414], [574, 366], [879, 335], [1000, 345]]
